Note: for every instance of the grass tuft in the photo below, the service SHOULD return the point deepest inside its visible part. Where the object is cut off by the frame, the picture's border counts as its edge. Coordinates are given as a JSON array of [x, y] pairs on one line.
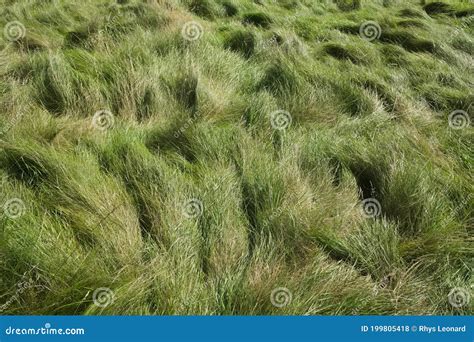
[[438, 7], [348, 5], [242, 42], [230, 9], [258, 19]]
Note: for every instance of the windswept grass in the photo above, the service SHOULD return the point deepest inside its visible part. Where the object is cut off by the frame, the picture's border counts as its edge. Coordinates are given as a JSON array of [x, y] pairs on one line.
[[194, 156]]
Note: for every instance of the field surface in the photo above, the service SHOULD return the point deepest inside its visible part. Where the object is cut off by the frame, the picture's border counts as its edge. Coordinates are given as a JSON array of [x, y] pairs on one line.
[[292, 157]]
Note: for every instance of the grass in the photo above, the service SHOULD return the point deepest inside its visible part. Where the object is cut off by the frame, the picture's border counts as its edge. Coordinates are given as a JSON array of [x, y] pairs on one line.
[[196, 194]]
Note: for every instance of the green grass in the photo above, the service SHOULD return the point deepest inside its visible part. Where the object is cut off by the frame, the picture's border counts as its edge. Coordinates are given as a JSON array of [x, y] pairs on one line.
[[194, 192]]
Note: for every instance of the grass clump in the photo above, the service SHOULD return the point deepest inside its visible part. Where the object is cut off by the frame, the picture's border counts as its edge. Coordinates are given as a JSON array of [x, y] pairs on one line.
[[438, 7], [408, 41], [184, 89], [348, 5], [230, 8], [202, 8], [411, 13], [442, 8], [258, 19], [242, 42], [82, 37], [279, 77], [341, 52]]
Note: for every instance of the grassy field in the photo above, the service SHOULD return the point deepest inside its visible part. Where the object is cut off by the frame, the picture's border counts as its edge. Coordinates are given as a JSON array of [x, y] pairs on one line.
[[295, 157]]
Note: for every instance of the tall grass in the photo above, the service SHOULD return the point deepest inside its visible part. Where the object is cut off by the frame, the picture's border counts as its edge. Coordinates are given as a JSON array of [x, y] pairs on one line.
[[203, 175]]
